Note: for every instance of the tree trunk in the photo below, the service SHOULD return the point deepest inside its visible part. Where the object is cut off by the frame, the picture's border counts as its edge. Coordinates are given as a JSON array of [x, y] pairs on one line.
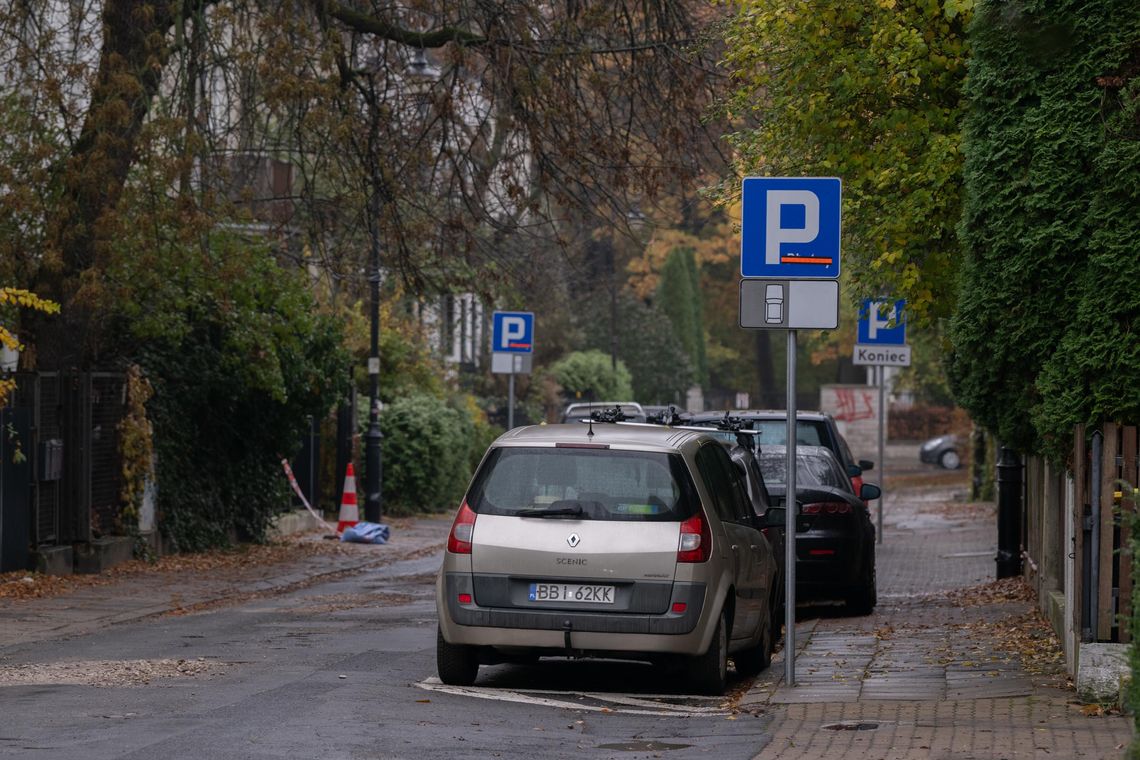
[[134, 51], [768, 396]]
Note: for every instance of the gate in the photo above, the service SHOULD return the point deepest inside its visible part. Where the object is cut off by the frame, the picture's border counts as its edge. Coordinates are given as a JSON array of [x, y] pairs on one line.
[[1103, 552], [74, 453]]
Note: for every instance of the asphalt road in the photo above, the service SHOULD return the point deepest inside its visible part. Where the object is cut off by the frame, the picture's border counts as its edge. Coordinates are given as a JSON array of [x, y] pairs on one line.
[[342, 670]]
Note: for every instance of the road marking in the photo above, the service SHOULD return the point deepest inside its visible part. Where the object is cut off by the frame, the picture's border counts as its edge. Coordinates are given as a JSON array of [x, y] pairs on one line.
[[627, 704]]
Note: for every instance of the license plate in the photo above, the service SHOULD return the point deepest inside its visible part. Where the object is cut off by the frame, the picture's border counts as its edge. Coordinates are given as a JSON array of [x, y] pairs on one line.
[[571, 592]]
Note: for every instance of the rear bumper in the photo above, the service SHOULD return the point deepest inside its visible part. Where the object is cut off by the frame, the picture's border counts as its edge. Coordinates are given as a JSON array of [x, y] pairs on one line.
[[820, 575], [589, 630]]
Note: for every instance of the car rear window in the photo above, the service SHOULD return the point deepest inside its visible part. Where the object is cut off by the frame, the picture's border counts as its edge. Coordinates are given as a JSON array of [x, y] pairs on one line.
[[810, 470], [775, 432], [606, 484]]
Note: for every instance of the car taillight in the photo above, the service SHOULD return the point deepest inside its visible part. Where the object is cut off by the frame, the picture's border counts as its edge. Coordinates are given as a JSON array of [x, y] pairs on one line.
[[696, 540], [459, 540], [826, 507]]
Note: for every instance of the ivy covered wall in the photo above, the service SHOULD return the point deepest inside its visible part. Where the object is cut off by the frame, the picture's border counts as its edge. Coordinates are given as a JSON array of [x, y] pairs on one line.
[[1046, 333]]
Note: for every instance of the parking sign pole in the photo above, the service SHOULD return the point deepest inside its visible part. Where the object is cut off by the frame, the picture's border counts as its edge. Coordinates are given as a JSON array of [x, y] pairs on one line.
[[511, 397], [790, 510], [882, 447]]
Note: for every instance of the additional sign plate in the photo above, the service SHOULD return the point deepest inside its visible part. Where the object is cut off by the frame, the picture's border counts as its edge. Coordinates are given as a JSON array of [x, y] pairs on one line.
[[789, 227], [883, 356], [512, 332], [507, 364], [882, 323], [570, 592], [789, 304]]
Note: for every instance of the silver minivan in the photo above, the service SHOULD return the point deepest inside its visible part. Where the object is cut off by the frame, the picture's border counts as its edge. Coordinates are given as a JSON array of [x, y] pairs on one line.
[[622, 541]]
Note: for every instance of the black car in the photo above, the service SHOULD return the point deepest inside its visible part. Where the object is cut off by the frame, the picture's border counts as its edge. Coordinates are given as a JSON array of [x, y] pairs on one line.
[[835, 538], [812, 429], [944, 451]]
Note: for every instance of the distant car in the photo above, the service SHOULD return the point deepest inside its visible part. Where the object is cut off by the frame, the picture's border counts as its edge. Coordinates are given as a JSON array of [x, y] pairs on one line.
[[626, 541], [944, 451], [582, 410], [812, 429], [835, 538]]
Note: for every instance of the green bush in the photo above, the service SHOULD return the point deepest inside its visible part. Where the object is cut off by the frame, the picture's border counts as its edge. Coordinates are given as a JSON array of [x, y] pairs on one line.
[[649, 347], [1044, 336], [590, 374], [238, 359], [428, 452]]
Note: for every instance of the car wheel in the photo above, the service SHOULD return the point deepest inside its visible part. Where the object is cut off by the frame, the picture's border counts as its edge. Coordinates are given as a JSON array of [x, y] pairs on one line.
[[457, 664], [863, 598], [950, 460], [750, 662], [708, 672]]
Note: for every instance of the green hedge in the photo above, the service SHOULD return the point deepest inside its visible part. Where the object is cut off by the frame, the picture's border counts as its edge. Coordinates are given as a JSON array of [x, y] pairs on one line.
[[430, 451], [1045, 333], [237, 364], [590, 375]]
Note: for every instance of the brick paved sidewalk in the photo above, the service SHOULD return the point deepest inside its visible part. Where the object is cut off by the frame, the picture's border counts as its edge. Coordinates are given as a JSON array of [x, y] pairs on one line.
[[933, 673]]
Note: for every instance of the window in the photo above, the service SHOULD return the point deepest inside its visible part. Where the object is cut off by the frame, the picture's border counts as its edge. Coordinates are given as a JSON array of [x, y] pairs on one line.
[[606, 484], [725, 483], [811, 470], [775, 432]]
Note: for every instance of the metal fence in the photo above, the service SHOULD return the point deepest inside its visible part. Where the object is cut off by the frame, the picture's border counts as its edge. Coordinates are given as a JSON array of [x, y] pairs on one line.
[[1104, 601], [74, 452]]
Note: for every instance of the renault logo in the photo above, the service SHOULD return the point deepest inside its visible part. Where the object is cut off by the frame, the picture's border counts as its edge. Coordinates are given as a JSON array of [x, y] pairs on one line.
[[573, 540]]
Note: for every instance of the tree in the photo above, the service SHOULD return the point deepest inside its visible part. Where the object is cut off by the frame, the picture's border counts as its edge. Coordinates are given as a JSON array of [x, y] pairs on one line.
[[650, 349], [1044, 336], [590, 375], [871, 93], [679, 296], [535, 110], [11, 300]]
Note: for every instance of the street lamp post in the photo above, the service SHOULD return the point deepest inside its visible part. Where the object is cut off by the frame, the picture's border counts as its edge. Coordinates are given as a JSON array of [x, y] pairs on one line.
[[373, 463]]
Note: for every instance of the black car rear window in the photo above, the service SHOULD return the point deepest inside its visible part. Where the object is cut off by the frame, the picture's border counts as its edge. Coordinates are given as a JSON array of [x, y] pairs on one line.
[[603, 484], [775, 432], [810, 470]]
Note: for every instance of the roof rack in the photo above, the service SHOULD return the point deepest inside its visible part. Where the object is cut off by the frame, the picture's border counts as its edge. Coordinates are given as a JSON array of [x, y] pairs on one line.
[[671, 418], [609, 415]]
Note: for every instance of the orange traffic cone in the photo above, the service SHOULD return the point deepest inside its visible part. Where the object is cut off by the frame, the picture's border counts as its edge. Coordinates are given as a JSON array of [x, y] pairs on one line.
[[349, 513]]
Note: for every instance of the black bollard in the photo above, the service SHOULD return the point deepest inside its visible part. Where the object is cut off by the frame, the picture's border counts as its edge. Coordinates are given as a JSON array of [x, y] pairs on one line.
[[1009, 513]]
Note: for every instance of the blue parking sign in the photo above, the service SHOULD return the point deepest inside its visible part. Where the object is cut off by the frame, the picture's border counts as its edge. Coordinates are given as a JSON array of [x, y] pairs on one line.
[[790, 227], [882, 322], [512, 332]]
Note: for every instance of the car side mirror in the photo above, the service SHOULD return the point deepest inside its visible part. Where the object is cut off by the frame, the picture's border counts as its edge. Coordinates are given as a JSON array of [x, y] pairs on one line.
[[870, 492], [854, 470], [775, 517], [866, 464]]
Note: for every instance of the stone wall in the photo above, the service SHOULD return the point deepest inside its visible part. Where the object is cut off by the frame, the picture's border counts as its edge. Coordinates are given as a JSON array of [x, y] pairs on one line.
[[856, 412]]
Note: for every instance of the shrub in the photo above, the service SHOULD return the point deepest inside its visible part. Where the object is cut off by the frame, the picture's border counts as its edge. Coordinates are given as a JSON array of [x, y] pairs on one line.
[[237, 358], [590, 374], [428, 452]]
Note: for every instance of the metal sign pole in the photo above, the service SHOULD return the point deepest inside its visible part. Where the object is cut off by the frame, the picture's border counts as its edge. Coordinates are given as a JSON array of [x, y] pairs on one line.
[[790, 505], [511, 397], [882, 447]]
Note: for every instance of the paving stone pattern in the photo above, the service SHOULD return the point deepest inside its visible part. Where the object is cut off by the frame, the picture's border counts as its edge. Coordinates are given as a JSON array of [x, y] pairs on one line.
[[925, 676]]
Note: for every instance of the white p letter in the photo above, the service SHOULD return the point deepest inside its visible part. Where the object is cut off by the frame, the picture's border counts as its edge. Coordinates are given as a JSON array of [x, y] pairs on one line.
[[775, 234]]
